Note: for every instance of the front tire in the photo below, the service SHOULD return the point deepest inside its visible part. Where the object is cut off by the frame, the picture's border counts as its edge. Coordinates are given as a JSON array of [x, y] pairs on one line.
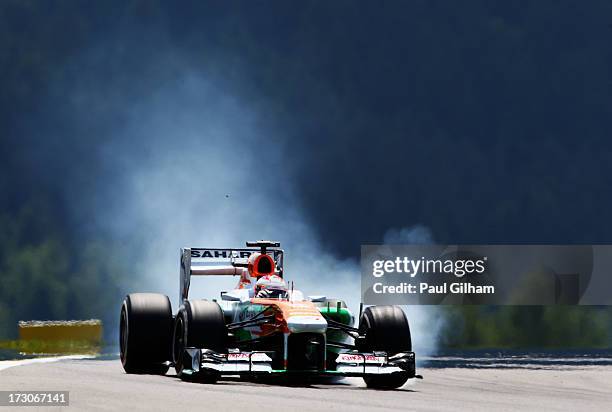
[[386, 329], [145, 331], [199, 324]]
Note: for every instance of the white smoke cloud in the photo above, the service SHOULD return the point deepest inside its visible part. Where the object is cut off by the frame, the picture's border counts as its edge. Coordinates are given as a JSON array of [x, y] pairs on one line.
[[210, 175], [417, 234], [426, 322], [196, 165]]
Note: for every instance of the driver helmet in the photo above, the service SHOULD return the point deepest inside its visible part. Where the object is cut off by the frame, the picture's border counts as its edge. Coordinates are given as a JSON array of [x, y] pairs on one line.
[[271, 286]]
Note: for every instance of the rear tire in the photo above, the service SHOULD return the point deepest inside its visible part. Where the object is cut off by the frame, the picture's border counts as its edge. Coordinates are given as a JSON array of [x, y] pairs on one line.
[[386, 329], [199, 324], [145, 332]]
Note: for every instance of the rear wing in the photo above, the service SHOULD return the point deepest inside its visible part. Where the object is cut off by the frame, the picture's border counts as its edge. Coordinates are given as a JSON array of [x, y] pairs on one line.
[[220, 262]]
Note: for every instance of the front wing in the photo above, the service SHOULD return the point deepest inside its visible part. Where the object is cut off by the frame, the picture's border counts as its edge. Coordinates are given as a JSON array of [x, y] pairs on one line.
[[260, 363]]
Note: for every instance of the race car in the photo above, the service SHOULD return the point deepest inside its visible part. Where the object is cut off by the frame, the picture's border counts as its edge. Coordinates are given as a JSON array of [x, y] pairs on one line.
[[262, 328]]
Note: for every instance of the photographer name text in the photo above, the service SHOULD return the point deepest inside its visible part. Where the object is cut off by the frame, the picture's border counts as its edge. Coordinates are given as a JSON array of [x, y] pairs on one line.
[[426, 288]]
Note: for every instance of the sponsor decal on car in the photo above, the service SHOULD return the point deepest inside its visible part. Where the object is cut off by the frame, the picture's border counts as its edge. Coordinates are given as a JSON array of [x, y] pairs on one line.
[[216, 253], [358, 358], [246, 356]]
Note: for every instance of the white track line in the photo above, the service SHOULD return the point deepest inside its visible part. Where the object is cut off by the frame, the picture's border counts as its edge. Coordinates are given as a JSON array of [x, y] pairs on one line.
[[10, 364]]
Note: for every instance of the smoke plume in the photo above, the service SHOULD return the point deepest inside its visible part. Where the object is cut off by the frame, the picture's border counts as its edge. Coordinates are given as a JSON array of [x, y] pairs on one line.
[[178, 157]]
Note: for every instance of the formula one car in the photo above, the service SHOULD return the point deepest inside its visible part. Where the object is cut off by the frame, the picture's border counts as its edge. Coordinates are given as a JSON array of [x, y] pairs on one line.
[[261, 328]]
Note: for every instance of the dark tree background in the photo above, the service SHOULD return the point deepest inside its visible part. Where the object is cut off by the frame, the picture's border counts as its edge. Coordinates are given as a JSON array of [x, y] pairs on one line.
[[487, 122]]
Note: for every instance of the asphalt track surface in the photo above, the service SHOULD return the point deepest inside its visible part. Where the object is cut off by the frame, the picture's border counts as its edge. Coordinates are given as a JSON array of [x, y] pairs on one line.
[[102, 385]]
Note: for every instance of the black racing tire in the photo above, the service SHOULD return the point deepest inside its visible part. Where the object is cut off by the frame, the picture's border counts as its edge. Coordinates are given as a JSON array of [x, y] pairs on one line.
[[199, 324], [145, 333], [385, 329]]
